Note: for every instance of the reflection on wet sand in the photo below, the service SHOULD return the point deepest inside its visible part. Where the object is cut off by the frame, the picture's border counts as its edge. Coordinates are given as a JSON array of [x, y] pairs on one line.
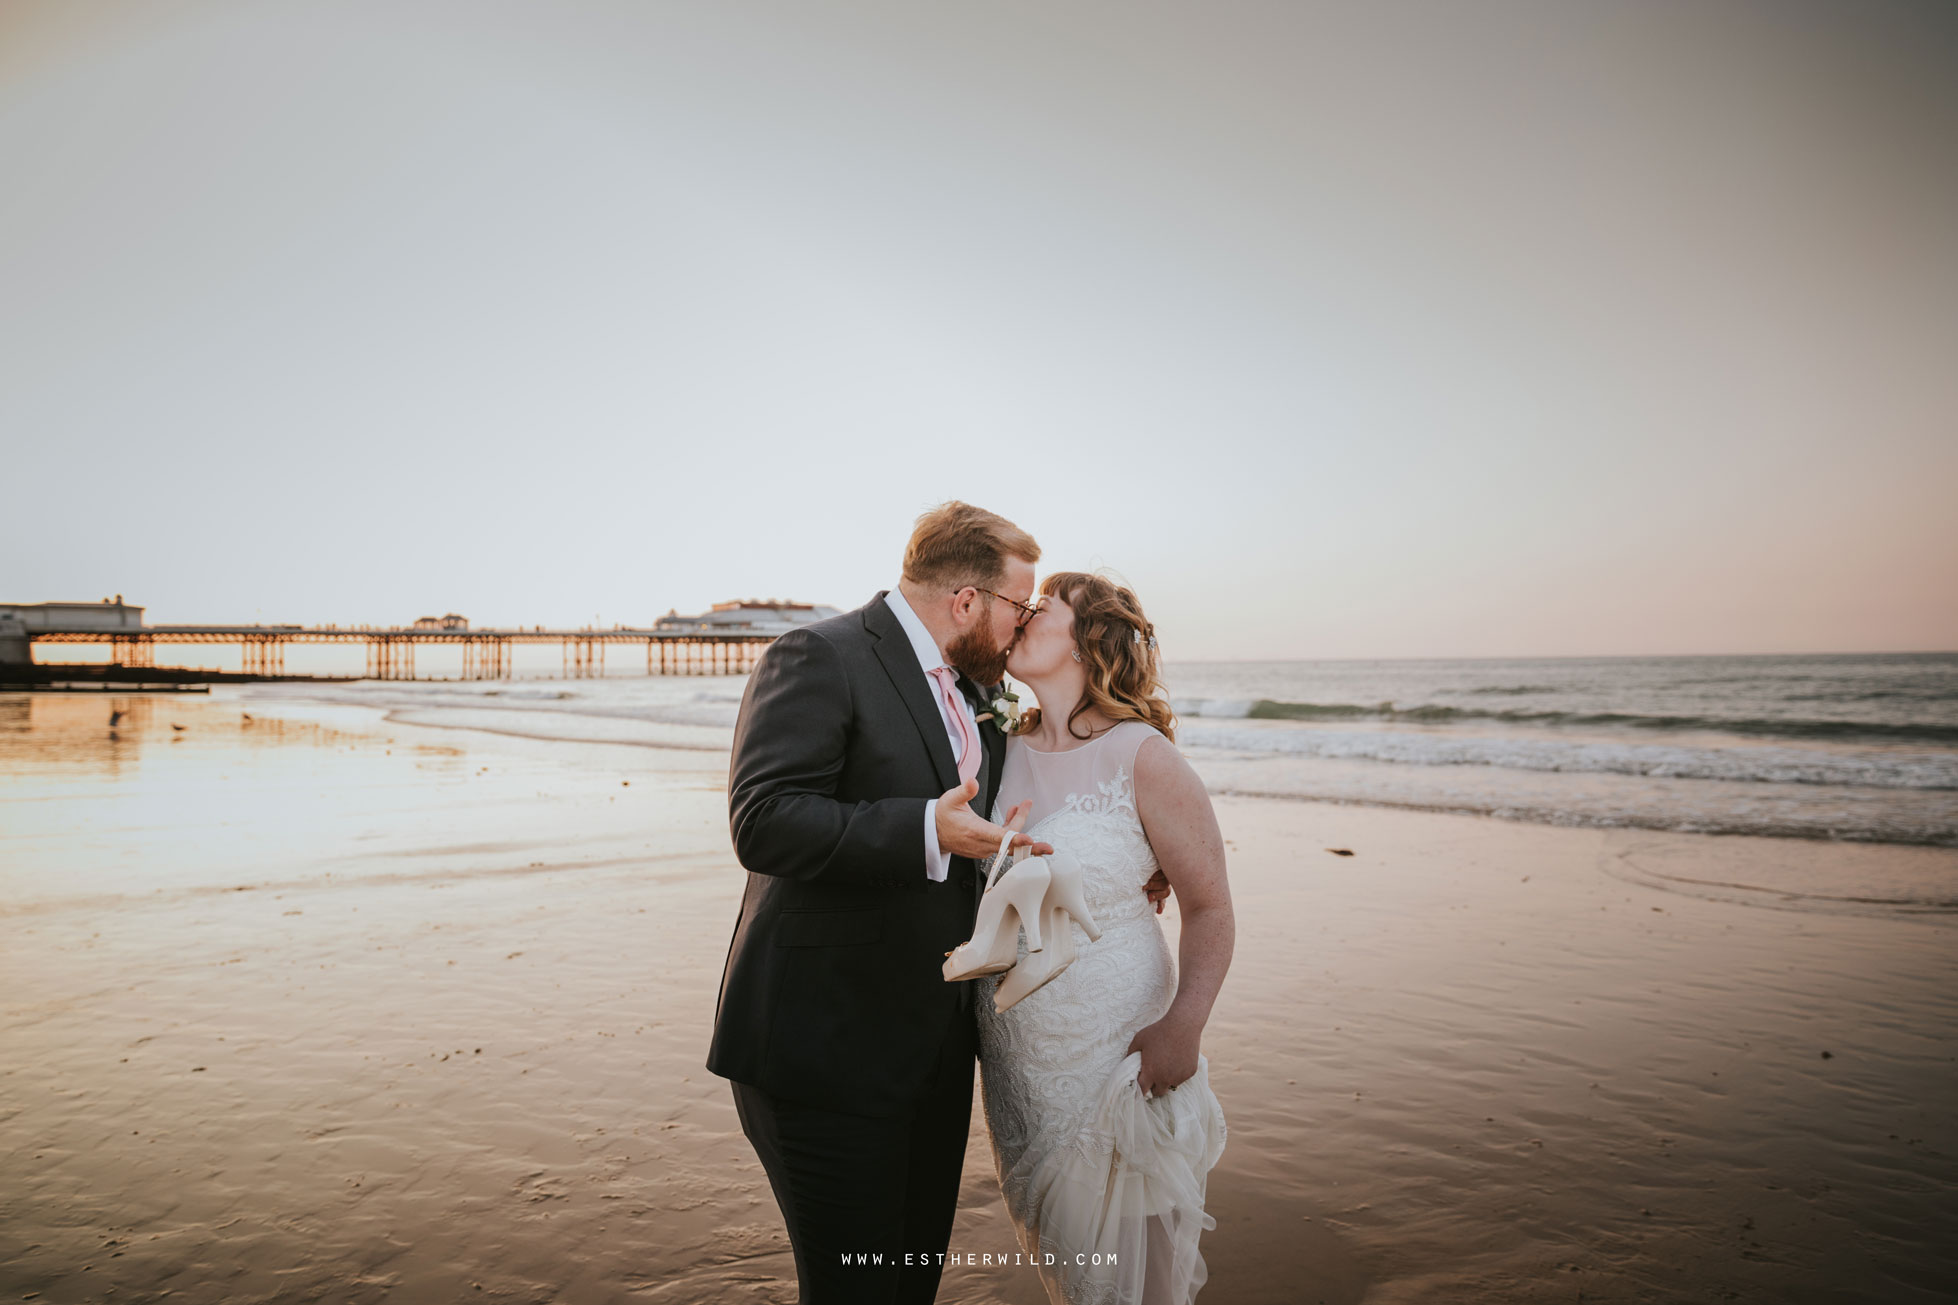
[[315, 1005]]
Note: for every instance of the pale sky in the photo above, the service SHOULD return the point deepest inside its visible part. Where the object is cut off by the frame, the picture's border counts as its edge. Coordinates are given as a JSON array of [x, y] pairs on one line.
[[1338, 330]]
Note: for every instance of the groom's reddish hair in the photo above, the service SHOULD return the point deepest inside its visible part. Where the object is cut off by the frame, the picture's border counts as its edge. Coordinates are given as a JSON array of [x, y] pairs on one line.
[[956, 544]]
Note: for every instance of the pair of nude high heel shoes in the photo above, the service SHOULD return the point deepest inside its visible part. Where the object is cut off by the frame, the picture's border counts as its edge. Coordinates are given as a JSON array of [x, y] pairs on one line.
[[1037, 893]]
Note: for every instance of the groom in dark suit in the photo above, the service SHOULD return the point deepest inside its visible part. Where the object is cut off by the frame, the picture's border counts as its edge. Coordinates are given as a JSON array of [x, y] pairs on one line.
[[859, 772]]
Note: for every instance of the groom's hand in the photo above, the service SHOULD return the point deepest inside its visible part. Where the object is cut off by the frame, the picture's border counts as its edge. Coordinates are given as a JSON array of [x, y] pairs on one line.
[[962, 832]]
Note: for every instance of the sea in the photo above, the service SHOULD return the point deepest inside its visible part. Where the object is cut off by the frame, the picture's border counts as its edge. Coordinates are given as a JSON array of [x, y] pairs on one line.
[[1852, 747]]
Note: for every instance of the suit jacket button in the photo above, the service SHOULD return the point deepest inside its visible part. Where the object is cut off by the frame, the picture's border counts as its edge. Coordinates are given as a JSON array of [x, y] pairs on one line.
[[966, 880]]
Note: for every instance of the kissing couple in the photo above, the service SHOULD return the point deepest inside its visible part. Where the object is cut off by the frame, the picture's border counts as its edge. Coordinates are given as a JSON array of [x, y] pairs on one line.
[[890, 934]]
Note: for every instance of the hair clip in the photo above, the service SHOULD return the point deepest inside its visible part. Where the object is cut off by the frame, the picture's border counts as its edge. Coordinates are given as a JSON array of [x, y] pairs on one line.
[[1136, 631]]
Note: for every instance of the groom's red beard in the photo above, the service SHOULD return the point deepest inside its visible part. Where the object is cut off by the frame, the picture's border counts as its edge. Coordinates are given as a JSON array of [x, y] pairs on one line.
[[973, 652]]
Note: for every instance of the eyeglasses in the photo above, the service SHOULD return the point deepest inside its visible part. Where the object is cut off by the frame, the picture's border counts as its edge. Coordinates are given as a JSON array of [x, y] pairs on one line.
[[1027, 610]]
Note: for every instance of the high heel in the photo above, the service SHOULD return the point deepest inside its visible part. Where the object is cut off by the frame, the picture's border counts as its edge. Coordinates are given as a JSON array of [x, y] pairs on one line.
[[1012, 901], [1064, 891], [1039, 968], [1063, 901]]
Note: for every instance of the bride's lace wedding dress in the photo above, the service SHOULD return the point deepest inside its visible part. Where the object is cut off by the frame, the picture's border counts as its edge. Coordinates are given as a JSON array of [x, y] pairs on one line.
[[1106, 1183]]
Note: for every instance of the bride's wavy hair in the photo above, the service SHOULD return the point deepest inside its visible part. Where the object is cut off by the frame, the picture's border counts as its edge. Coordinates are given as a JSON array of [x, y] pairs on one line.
[[1124, 672]]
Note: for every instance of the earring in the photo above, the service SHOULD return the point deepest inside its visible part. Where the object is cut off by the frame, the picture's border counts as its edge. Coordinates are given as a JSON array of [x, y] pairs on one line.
[[1076, 652]]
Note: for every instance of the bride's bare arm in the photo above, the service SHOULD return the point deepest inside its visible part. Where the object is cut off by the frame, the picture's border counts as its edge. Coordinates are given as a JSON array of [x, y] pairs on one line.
[[1182, 827]]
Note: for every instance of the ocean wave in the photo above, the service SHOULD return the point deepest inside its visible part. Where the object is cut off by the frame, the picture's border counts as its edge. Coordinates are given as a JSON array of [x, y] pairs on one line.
[[1213, 708], [1890, 768], [1440, 714], [619, 700], [1726, 822]]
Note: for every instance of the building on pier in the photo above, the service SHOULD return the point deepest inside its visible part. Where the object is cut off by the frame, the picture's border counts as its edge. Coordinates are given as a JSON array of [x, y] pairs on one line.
[[109, 614], [18, 621], [746, 616]]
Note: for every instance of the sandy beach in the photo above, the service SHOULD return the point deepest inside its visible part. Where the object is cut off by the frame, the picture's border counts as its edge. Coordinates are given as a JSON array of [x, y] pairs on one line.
[[302, 1002]]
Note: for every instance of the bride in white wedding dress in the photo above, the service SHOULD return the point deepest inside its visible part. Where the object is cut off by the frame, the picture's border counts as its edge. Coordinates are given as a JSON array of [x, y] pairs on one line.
[[1098, 1102]]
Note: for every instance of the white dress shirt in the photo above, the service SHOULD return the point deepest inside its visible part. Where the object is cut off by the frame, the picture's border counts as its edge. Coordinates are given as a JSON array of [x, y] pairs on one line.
[[937, 864]]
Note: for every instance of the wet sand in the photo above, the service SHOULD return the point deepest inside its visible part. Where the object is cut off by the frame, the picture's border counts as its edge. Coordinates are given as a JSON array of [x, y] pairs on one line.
[[319, 1005]]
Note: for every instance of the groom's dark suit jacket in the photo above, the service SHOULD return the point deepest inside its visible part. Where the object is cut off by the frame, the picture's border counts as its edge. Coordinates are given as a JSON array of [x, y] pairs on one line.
[[832, 992]]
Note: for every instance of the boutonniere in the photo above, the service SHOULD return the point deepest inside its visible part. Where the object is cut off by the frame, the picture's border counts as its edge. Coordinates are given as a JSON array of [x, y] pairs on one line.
[[1005, 712]]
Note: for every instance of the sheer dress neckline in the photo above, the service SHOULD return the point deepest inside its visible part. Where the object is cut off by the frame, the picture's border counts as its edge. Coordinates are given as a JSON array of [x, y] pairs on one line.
[[1068, 752]]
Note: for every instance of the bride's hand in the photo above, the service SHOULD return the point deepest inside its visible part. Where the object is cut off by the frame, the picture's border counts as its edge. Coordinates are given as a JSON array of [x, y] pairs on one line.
[[1169, 1055]]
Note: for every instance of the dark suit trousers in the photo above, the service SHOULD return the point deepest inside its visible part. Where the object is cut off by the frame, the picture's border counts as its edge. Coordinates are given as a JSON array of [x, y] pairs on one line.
[[854, 1186]]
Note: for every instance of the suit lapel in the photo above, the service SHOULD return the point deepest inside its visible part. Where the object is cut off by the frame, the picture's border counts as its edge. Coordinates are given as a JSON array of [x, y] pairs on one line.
[[908, 678], [991, 743], [995, 761]]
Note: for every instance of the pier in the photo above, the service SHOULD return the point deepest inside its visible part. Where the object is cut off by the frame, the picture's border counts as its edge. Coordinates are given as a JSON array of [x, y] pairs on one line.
[[728, 639], [486, 653]]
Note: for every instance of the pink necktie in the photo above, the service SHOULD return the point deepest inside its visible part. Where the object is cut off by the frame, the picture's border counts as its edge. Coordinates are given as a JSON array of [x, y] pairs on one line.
[[968, 740]]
